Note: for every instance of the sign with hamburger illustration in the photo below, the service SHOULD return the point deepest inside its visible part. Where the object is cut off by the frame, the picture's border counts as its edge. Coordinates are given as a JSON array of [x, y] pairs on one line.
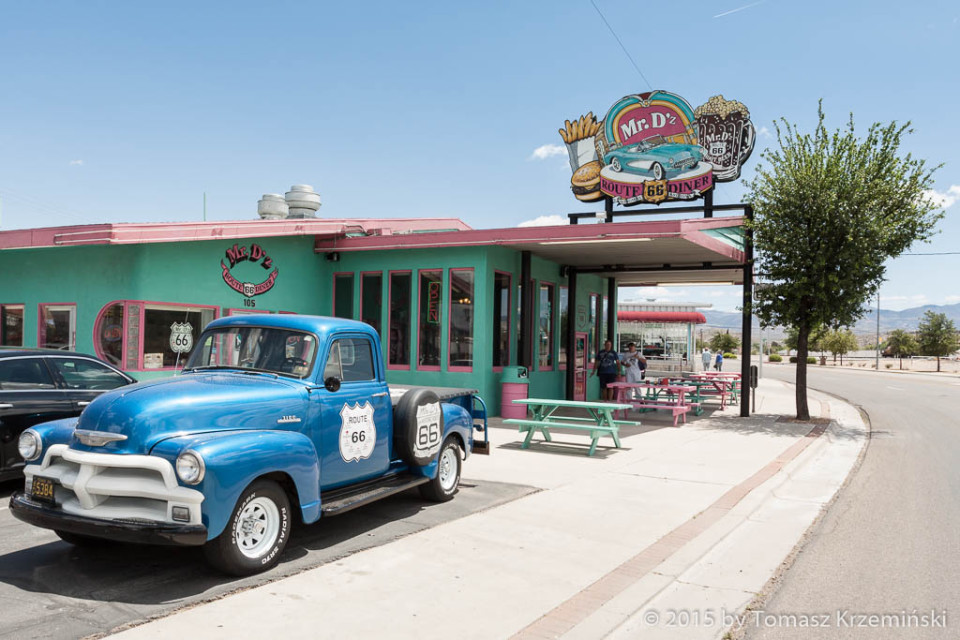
[[653, 147]]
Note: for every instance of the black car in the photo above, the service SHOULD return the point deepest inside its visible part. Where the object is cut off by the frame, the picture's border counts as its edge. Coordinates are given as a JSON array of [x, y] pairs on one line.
[[41, 385]]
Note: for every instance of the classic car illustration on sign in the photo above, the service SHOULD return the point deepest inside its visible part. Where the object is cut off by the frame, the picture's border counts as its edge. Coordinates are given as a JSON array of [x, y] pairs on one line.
[[652, 147], [276, 420]]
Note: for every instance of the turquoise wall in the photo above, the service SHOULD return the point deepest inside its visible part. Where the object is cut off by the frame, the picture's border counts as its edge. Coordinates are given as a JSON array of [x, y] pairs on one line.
[[190, 273]]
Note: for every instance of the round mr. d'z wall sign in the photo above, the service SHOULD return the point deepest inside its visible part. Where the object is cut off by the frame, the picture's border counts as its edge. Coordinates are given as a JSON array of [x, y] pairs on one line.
[[254, 253]]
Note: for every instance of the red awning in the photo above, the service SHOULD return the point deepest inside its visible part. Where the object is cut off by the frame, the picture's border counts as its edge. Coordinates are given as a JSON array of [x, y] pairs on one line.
[[693, 317]]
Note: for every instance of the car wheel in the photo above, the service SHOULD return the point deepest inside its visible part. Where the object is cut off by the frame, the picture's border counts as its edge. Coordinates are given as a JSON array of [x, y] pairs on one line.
[[615, 164], [443, 487], [80, 540], [657, 170], [256, 534]]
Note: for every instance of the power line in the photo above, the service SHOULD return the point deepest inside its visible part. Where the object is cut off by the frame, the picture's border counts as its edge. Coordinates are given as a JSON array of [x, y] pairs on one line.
[[940, 253], [620, 42]]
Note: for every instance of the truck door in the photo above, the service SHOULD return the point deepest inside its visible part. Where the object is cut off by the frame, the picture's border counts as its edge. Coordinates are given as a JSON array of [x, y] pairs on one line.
[[356, 419]]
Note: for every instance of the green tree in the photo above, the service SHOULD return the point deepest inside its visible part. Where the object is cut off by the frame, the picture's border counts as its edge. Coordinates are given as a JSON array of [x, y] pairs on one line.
[[900, 343], [839, 342], [938, 336], [724, 342], [830, 208], [813, 341]]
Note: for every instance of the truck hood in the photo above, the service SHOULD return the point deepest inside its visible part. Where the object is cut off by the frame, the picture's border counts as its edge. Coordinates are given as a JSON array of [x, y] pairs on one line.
[[150, 412]]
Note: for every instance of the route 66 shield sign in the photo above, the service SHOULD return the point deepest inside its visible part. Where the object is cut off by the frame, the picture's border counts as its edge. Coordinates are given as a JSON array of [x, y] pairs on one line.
[[655, 191], [181, 337]]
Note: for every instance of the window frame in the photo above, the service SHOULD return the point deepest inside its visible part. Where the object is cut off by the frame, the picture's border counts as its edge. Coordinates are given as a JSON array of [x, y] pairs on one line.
[[509, 289], [372, 273], [143, 304], [473, 318], [333, 301], [440, 341], [562, 343], [551, 330], [390, 365], [23, 322], [334, 343], [72, 307]]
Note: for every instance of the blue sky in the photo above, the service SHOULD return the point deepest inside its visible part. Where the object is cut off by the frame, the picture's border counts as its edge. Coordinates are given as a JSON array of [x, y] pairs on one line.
[[121, 111]]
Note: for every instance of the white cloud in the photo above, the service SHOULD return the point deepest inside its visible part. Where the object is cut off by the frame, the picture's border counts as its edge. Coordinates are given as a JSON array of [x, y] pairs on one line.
[[764, 132], [548, 151], [76, 163], [951, 299], [544, 221], [943, 200], [899, 303]]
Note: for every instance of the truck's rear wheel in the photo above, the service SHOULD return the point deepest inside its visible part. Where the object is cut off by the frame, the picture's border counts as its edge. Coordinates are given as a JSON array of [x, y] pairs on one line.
[[256, 534], [443, 487]]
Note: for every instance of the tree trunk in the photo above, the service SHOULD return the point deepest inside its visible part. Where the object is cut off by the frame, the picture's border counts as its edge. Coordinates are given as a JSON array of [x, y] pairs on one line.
[[938, 364], [901, 363], [803, 334]]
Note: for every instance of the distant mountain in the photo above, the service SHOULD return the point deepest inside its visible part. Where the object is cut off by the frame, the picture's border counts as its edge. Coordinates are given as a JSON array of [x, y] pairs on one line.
[[907, 319]]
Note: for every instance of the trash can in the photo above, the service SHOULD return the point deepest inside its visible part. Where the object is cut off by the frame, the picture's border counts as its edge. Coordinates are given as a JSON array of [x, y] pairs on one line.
[[514, 384]]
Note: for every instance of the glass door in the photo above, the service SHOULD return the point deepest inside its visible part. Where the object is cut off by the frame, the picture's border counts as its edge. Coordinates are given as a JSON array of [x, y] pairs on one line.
[[58, 327]]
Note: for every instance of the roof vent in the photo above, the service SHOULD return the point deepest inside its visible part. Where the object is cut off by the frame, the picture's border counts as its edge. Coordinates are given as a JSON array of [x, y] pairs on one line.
[[303, 201], [272, 206]]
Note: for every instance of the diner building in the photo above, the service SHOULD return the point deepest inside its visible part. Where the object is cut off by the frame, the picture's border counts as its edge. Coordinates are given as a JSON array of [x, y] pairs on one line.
[[453, 305]]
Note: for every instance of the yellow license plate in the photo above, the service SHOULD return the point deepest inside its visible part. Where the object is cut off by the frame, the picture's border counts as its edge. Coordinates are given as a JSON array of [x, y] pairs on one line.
[[42, 489]]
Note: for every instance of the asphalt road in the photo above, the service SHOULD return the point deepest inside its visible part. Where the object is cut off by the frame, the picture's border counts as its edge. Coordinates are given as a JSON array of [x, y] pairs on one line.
[[52, 590], [890, 544]]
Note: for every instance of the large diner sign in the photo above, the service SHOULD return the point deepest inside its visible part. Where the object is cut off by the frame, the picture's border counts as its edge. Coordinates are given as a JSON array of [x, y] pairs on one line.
[[254, 254], [653, 147]]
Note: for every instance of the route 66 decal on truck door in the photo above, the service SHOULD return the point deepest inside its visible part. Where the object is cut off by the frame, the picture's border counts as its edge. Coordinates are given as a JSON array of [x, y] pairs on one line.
[[358, 433]]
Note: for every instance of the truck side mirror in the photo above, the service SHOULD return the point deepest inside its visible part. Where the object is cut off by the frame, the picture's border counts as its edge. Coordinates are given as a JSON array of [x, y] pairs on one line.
[[332, 384]]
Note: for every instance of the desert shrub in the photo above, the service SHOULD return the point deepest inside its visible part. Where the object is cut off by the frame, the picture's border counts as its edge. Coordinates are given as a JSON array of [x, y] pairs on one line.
[[775, 357], [811, 360], [793, 359], [729, 356]]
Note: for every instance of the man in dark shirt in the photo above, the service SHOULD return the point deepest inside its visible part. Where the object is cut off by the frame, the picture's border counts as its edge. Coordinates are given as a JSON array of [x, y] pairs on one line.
[[607, 366]]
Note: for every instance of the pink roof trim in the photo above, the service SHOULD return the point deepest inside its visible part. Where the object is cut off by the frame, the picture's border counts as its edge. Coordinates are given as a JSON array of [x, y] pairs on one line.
[[661, 316], [142, 233]]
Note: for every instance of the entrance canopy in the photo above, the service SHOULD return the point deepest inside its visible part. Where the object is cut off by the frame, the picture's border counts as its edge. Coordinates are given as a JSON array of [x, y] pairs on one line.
[[702, 251]]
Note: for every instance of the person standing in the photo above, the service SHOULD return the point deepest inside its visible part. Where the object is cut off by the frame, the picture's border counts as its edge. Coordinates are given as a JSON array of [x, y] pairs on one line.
[[635, 365], [718, 364], [706, 356], [606, 366]]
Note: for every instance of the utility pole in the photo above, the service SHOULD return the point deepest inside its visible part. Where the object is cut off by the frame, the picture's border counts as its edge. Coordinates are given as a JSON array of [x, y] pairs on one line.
[[878, 330], [204, 206]]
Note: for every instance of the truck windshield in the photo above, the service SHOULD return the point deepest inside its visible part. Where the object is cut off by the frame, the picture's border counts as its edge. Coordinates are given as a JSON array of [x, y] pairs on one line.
[[271, 350]]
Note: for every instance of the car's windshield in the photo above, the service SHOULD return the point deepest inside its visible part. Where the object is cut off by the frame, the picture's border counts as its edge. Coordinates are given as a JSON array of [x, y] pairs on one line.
[[281, 351], [653, 141]]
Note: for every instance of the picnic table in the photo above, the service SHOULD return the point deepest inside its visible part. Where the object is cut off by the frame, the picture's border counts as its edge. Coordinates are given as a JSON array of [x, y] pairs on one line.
[[724, 383], [676, 400], [542, 419]]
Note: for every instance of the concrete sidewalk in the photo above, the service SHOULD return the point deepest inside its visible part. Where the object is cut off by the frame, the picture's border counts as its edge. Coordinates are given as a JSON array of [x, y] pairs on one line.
[[670, 536]]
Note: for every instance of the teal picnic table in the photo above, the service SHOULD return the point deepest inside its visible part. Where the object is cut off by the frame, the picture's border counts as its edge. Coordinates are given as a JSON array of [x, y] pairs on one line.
[[542, 419]]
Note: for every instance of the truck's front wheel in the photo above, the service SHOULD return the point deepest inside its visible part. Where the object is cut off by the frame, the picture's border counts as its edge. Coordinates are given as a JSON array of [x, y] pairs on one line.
[[258, 531], [447, 481]]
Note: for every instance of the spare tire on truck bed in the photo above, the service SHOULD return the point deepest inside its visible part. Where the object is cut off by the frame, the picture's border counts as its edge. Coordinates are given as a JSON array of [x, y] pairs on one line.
[[418, 427]]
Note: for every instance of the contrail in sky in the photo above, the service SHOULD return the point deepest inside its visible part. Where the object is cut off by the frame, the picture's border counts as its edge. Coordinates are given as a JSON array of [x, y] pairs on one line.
[[746, 6]]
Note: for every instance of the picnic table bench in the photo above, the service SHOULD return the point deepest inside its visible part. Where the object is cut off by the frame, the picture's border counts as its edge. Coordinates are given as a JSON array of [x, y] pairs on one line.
[[675, 402], [542, 419]]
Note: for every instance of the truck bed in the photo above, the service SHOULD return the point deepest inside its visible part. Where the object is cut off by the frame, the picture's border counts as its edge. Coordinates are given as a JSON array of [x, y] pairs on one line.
[[444, 393]]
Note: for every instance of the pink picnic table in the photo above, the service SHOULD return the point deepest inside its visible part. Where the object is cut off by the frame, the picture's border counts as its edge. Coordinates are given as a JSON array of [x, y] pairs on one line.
[[677, 404]]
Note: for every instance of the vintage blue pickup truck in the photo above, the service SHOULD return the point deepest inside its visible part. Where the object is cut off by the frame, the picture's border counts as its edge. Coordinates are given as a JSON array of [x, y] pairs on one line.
[[275, 420]]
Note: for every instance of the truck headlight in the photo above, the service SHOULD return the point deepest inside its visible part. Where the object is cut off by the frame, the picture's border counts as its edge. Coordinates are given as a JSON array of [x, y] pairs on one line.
[[190, 467], [29, 445]]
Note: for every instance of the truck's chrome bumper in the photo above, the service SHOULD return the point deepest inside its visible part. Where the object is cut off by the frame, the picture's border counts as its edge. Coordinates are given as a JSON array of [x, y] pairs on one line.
[[143, 532]]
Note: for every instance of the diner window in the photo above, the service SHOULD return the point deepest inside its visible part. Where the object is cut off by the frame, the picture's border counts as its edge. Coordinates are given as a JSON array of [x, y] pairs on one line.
[[135, 335], [564, 324], [343, 295], [371, 299], [11, 325], [594, 321], [58, 326], [398, 346], [501, 319], [545, 327], [169, 333], [430, 313], [460, 348], [109, 334]]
